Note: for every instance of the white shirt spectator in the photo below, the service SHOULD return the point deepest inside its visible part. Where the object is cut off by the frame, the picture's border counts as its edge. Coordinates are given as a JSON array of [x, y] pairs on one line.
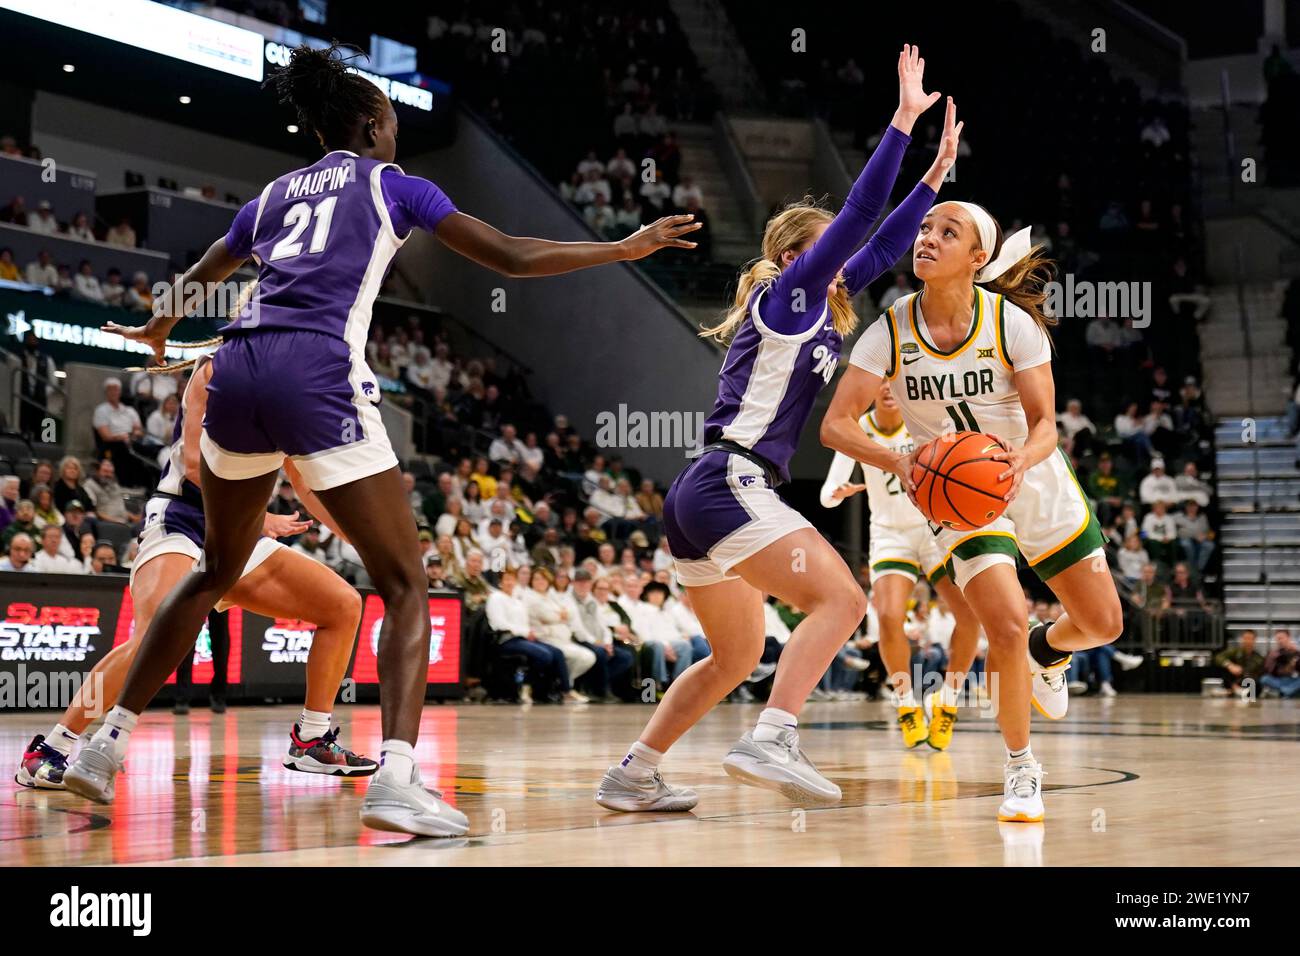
[[113, 291], [1191, 488], [46, 563], [1162, 528], [161, 426], [600, 216], [43, 221], [1073, 423], [121, 235], [121, 420], [773, 626], [656, 193], [1157, 487], [649, 623], [1131, 562], [37, 274], [87, 289], [619, 166], [586, 194], [507, 614], [685, 192], [684, 619], [503, 449], [7, 565]]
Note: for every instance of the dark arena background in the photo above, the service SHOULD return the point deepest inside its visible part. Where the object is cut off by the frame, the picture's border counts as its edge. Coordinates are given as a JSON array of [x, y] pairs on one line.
[[1148, 145]]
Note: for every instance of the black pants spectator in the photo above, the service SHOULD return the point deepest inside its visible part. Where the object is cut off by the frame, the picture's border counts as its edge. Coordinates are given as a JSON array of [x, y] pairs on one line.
[[219, 636], [608, 669], [547, 671]]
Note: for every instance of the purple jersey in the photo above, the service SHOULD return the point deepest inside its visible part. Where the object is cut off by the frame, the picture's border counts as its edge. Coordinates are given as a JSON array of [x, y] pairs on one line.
[[768, 385], [323, 238]]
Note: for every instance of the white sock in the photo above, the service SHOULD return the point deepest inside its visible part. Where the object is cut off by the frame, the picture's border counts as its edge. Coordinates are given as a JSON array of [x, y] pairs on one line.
[[1020, 757], [908, 699], [61, 739], [772, 721], [641, 761], [117, 727], [948, 696], [313, 723], [397, 757]]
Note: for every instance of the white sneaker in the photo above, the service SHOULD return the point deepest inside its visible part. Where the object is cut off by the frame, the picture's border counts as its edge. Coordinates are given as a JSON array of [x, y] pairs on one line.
[[573, 697], [1128, 661], [817, 694], [1022, 794], [779, 765], [1051, 696], [1106, 690], [618, 791], [525, 694], [407, 807]]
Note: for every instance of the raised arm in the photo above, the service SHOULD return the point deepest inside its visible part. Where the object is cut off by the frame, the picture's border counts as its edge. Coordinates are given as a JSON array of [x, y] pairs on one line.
[[813, 270], [525, 257], [900, 227]]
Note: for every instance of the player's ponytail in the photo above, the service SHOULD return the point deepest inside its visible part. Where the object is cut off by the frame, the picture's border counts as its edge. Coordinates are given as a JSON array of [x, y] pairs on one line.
[[329, 100], [1025, 284], [792, 228]]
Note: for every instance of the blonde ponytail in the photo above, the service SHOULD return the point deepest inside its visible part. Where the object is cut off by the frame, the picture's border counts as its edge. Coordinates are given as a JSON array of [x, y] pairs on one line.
[[793, 228]]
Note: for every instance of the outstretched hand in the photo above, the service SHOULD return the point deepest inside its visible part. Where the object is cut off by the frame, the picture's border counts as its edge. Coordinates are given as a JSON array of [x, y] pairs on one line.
[[156, 340], [912, 98], [660, 234], [948, 145]]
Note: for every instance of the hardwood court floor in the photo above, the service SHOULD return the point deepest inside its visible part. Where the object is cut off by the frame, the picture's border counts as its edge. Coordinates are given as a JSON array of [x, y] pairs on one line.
[[1153, 780]]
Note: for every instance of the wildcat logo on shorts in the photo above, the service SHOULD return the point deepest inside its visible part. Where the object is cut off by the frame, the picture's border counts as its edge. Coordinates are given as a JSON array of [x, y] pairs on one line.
[[368, 388], [437, 634], [748, 481]]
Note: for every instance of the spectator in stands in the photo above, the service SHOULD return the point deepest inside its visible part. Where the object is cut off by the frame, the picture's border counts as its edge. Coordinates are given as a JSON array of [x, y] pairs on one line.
[[309, 543], [9, 494], [600, 216], [1149, 593], [46, 512], [1078, 427], [901, 286], [625, 127], [16, 212], [63, 286], [103, 559], [79, 228], [1183, 594], [1241, 663], [76, 524], [18, 555], [122, 234], [8, 268], [1107, 488], [1194, 535], [42, 270], [138, 298], [550, 621], [1157, 486], [507, 616], [669, 653], [1190, 487], [117, 427], [1129, 428], [614, 658], [42, 474], [285, 501], [469, 579], [162, 420], [24, 522], [42, 220], [1132, 559], [686, 191], [656, 193], [48, 560], [112, 288], [1160, 532], [36, 377], [507, 448], [650, 501], [107, 495], [9, 146], [627, 219], [85, 287], [620, 165], [1282, 667]]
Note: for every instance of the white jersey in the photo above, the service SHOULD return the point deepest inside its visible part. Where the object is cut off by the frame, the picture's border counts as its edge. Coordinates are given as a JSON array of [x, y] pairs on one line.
[[888, 502], [971, 387]]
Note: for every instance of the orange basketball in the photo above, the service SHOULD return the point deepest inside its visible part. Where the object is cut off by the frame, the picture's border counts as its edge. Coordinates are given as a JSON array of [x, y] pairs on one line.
[[957, 482]]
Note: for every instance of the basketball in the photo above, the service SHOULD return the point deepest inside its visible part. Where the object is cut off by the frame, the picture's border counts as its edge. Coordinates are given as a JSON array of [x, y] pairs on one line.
[[957, 483]]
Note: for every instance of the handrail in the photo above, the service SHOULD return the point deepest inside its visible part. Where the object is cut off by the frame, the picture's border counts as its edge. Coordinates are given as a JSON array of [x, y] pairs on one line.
[[737, 172]]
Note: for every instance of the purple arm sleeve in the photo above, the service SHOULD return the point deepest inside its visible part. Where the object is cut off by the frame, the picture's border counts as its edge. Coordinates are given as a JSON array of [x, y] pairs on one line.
[[239, 240], [413, 201], [891, 240], [813, 271]]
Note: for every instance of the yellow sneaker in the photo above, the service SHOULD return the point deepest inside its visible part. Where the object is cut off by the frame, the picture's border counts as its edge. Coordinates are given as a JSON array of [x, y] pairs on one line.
[[912, 722], [942, 721]]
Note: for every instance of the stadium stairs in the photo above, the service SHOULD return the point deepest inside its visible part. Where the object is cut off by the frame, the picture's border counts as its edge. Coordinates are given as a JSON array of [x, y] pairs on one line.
[[1259, 494], [719, 51]]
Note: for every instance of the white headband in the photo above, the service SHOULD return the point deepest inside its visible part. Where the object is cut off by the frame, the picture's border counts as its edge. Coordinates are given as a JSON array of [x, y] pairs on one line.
[[1014, 247]]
